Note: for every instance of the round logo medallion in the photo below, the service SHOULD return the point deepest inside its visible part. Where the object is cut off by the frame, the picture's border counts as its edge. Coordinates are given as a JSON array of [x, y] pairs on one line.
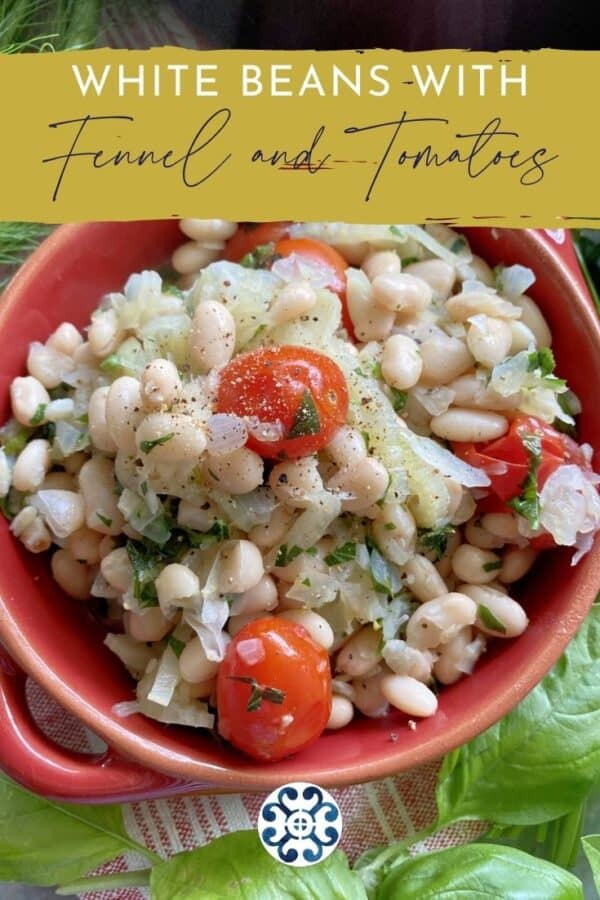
[[300, 824]]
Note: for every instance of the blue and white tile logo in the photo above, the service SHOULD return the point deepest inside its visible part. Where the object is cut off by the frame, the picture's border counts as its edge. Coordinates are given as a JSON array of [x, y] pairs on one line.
[[300, 824]]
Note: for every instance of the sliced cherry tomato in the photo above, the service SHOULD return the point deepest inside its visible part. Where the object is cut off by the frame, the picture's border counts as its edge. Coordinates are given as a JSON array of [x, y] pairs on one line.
[[273, 689], [323, 255], [253, 234], [302, 390]]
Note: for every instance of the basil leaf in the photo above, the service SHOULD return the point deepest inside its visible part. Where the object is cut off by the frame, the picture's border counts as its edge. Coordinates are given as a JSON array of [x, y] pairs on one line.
[[591, 848], [44, 842], [527, 504], [306, 418], [479, 872], [345, 553], [237, 865], [552, 736]]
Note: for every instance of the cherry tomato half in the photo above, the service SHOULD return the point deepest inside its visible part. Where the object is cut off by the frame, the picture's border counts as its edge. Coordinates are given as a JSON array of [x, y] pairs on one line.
[[273, 689], [323, 255], [253, 234], [506, 459], [303, 390]]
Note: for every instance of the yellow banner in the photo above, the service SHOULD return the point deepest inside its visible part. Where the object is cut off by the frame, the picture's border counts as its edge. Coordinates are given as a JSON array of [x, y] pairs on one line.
[[472, 138]]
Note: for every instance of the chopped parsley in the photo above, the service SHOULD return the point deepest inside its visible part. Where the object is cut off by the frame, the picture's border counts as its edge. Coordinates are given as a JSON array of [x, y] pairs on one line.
[[398, 398], [409, 260], [218, 531], [435, 540], [111, 364], [262, 257], [397, 231], [106, 520], [285, 556], [382, 574], [492, 566], [306, 418], [38, 416], [458, 245], [176, 645], [376, 370], [527, 504], [170, 288], [16, 442], [389, 526], [489, 619], [259, 692], [542, 362], [306, 582], [342, 554], [147, 446]]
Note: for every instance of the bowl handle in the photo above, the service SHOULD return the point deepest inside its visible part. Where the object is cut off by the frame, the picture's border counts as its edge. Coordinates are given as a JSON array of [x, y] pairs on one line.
[[35, 761]]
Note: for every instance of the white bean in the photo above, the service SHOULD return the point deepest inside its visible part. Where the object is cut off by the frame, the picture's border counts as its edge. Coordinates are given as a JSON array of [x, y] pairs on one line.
[[482, 270], [371, 321], [116, 568], [194, 664], [241, 567], [104, 333], [84, 545], [212, 336], [31, 466], [270, 534], [124, 412], [23, 520], [190, 257], [165, 438], [59, 481], [437, 621], [469, 425], [27, 395], [532, 317], [502, 524], [160, 384], [72, 576], [65, 339], [146, 627], [36, 537], [471, 391], [342, 713], [489, 340], [346, 447], [444, 563], [107, 545], [296, 482], [395, 533], [409, 695], [382, 262], [447, 668], [368, 698], [402, 294], [506, 611], [262, 597], [523, 337], [444, 359], [474, 565], [515, 564], [200, 518], [236, 623], [480, 537], [461, 307], [83, 357], [405, 660], [293, 300], [97, 484], [202, 690], [47, 365], [318, 628], [176, 585], [99, 433], [401, 363], [424, 581], [439, 275], [361, 652], [208, 229], [462, 505], [235, 473], [367, 480]]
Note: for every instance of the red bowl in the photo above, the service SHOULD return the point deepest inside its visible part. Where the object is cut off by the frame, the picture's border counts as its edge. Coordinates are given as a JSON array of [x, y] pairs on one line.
[[52, 638]]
